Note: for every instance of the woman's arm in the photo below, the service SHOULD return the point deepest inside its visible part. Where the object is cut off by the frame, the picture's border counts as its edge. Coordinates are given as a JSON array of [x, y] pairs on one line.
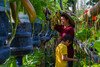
[[58, 27], [65, 58]]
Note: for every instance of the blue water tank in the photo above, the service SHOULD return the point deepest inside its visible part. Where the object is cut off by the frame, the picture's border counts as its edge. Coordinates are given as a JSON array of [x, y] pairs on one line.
[[4, 54], [4, 30], [22, 43]]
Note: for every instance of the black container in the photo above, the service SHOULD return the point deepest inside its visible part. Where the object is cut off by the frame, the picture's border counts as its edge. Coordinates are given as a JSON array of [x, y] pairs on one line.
[[2, 41], [37, 26], [4, 24], [36, 32], [36, 41], [4, 28]]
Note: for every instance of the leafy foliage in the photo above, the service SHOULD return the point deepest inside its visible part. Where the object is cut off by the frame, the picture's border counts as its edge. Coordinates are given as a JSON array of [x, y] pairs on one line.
[[97, 45], [83, 34], [39, 7], [33, 60]]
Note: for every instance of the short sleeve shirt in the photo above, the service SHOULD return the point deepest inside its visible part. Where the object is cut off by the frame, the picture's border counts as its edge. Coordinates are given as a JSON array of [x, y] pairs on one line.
[[61, 49]]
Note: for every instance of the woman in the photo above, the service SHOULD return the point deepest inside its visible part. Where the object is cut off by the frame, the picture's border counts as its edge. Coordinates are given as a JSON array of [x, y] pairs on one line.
[[66, 28]]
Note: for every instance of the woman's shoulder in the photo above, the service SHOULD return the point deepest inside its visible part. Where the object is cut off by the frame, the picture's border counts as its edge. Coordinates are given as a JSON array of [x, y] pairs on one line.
[[70, 28]]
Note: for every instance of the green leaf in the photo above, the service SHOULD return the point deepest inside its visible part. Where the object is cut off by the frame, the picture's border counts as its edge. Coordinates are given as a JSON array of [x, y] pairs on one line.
[[97, 45]]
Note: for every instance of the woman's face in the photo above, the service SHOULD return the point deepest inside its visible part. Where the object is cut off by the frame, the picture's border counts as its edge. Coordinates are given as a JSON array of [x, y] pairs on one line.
[[64, 21]]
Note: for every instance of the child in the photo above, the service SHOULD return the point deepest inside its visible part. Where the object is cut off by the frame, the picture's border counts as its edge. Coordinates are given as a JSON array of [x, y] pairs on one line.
[[61, 52]]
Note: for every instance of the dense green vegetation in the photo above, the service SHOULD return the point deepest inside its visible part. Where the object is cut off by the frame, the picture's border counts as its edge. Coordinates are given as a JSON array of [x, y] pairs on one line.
[[46, 56]]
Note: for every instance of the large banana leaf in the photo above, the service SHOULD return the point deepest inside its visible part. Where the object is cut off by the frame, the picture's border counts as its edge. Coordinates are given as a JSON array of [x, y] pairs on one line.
[[97, 45]]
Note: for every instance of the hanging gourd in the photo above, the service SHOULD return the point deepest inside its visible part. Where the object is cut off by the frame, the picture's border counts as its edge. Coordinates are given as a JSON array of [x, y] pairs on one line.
[[30, 10]]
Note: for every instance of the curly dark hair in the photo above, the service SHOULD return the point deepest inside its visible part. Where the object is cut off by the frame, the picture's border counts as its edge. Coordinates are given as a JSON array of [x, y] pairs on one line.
[[67, 37], [68, 16]]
